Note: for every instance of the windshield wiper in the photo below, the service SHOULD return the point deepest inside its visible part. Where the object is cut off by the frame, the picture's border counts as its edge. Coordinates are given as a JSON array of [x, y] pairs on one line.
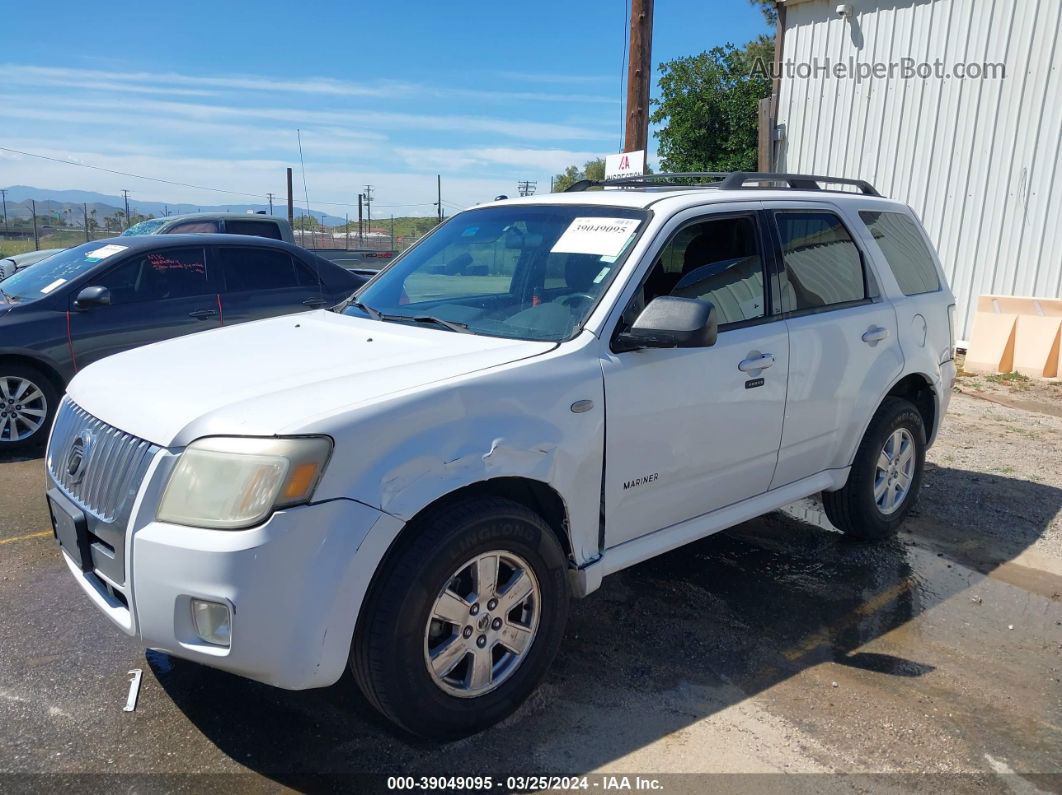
[[461, 328], [372, 312]]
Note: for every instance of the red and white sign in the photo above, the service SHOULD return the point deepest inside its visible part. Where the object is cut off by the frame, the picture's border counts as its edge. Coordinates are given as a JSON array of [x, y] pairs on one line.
[[625, 164]]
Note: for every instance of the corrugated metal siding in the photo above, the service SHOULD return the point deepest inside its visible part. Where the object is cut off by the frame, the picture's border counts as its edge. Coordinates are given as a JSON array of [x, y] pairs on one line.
[[977, 159]]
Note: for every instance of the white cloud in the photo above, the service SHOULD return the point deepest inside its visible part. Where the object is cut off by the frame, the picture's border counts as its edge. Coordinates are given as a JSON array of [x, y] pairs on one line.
[[551, 160], [351, 120], [168, 82]]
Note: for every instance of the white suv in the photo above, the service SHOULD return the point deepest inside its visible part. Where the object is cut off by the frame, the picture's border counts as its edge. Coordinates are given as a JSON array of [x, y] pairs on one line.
[[541, 392]]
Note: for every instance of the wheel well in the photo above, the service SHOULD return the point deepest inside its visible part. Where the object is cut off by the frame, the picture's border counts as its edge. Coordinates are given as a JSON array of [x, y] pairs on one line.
[[918, 391], [26, 361], [533, 494]]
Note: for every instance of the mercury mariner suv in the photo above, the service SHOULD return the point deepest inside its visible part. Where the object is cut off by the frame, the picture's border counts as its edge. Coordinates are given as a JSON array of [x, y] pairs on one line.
[[539, 393]]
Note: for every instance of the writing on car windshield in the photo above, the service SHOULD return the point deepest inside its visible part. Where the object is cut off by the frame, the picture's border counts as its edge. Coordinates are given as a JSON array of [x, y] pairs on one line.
[[521, 271]]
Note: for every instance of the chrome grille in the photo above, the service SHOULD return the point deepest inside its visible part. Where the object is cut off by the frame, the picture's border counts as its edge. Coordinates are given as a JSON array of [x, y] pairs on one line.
[[114, 462]]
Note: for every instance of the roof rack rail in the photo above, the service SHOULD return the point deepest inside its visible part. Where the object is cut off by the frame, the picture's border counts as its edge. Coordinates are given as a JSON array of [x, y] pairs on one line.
[[737, 180], [649, 179], [730, 180]]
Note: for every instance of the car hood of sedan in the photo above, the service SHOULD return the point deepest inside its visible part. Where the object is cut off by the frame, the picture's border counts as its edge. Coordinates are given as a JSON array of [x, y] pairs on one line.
[[277, 376]]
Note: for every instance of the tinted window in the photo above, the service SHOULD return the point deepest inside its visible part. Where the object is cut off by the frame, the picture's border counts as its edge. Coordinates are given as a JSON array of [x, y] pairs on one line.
[[157, 276], [715, 261], [259, 228], [261, 269], [189, 227], [901, 241], [822, 263]]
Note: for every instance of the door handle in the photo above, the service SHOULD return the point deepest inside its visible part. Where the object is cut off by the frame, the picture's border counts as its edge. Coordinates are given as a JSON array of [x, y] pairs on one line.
[[761, 362], [314, 301], [875, 334], [203, 314]]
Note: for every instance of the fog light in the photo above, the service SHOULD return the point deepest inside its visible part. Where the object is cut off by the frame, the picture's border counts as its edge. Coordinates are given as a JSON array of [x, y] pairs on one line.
[[212, 621]]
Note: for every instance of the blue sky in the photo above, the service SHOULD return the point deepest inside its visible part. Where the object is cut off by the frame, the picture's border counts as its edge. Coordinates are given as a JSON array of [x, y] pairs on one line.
[[389, 93]]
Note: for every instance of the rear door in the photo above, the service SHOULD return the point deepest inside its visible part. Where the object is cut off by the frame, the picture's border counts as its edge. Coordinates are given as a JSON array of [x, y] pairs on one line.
[[262, 282], [155, 295], [843, 349]]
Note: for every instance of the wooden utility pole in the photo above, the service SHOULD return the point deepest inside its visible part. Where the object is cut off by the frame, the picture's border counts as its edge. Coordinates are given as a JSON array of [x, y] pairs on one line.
[[36, 237], [291, 202], [84, 207], [125, 193], [361, 229], [639, 76], [438, 189]]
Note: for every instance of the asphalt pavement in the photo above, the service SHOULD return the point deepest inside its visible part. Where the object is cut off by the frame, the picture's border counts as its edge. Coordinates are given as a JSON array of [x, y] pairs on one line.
[[932, 661]]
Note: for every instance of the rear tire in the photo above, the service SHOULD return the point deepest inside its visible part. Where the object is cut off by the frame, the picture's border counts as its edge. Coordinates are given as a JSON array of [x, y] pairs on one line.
[[444, 648], [886, 474], [28, 401]]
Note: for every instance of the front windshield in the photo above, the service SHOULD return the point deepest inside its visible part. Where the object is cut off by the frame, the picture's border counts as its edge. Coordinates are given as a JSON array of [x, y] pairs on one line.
[[50, 274], [148, 227], [520, 271]]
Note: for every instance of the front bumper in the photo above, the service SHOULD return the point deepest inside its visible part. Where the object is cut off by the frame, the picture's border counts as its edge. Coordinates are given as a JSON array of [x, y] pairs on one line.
[[293, 586]]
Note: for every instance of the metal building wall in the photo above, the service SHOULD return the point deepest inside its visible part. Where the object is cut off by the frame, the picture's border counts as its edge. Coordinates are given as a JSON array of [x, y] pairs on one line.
[[977, 159]]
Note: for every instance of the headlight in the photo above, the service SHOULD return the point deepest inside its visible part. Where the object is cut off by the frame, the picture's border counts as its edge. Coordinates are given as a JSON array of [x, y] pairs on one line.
[[229, 482]]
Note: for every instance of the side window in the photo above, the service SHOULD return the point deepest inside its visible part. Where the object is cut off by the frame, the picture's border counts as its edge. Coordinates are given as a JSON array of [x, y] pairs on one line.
[[901, 241], [259, 228], [190, 227], [717, 261], [157, 276], [823, 266], [247, 268]]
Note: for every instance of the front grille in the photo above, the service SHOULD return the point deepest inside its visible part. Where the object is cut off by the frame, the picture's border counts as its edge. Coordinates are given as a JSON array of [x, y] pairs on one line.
[[114, 464]]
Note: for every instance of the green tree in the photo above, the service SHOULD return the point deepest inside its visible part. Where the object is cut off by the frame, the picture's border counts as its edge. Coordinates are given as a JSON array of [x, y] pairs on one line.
[[769, 9], [708, 106], [593, 169]]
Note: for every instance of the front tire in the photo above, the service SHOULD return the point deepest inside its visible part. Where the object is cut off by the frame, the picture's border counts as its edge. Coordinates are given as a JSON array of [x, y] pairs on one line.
[[886, 474], [464, 618], [28, 401]]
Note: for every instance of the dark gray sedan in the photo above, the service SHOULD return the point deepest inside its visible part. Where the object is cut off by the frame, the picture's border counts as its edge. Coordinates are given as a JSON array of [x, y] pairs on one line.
[[107, 296]]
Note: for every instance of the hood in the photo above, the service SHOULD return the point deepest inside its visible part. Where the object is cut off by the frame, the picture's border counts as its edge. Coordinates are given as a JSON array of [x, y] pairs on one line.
[[276, 376]]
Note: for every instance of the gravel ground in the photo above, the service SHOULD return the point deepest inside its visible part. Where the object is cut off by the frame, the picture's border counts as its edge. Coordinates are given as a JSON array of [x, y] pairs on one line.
[[1006, 432]]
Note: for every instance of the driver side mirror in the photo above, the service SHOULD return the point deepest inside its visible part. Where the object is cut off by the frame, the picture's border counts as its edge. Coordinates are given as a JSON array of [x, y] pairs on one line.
[[92, 296], [671, 322]]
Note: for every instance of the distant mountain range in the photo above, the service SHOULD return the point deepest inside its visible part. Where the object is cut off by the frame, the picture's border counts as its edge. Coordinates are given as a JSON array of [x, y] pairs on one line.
[[51, 201]]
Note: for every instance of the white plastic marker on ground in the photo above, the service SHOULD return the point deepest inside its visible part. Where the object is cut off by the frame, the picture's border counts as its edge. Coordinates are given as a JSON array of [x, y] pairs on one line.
[[134, 690]]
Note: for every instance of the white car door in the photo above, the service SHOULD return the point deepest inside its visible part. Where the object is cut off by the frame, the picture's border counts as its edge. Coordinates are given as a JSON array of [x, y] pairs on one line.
[[689, 431], [843, 345]]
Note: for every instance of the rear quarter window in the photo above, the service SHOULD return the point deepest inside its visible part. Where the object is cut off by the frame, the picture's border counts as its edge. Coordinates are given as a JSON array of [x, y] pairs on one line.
[[256, 228], [901, 241]]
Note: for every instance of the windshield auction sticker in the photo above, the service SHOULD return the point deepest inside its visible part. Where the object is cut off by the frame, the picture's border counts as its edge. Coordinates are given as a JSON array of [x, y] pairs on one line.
[[605, 237], [105, 251]]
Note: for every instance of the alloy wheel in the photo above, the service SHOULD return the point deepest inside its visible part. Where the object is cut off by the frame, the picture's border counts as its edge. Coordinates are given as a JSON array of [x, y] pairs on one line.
[[895, 470], [482, 624], [23, 408]]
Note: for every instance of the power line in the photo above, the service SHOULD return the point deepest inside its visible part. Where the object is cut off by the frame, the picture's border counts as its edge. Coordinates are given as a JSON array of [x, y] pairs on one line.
[[128, 174], [305, 192], [187, 184]]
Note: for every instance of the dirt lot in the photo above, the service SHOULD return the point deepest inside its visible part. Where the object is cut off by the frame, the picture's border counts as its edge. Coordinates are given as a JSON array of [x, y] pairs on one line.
[[932, 662]]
